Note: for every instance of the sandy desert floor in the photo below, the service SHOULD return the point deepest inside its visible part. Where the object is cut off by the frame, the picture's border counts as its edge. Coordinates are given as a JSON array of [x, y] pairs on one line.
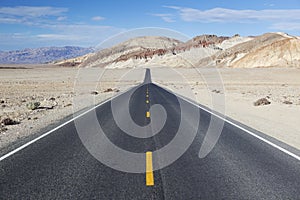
[[63, 91], [240, 88], [60, 92]]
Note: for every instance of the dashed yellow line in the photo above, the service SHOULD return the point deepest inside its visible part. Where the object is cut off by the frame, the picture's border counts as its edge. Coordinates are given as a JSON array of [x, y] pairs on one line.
[[147, 101], [147, 95], [147, 114], [149, 169]]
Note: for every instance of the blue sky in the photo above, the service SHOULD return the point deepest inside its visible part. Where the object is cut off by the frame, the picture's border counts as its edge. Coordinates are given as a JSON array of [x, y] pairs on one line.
[[36, 23]]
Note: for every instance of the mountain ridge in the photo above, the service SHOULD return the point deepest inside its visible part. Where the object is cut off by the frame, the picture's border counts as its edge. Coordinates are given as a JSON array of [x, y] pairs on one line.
[[42, 54], [266, 50]]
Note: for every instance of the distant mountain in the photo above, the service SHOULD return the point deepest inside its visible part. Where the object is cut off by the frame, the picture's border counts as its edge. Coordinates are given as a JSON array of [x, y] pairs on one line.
[[42, 55], [267, 50]]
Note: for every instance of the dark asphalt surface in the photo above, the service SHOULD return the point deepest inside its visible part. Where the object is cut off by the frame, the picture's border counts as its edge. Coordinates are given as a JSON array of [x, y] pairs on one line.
[[239, 167]]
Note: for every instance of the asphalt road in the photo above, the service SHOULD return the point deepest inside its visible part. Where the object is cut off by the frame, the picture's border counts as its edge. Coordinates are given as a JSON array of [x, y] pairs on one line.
[[59, 166]]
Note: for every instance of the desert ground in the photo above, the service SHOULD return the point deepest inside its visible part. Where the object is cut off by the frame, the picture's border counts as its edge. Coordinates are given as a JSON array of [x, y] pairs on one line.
[[62, 91]]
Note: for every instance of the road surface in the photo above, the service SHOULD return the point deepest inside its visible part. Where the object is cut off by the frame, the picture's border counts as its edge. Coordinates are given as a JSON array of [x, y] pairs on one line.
[[58, 166]]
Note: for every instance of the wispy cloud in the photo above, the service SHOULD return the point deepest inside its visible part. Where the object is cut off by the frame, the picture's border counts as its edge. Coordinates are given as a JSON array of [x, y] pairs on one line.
[[231, 15], [29, 15], [293, 26], [51, 21], [57, 37], [77, 34], [62, 18], [30, 11], [98, 18], [165, 16]]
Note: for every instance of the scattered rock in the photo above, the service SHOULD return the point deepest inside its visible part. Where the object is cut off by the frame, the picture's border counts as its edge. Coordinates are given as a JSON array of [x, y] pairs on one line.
[[3, 106], [67, 105], [48, 105], [51, 99], [116, 90], [2, 101], [35, 118], [33, 105], [216, 91], [262, 102], [94, 93], [288, 102], [23, 100], [108, 90], [3, 129], [9, 121]]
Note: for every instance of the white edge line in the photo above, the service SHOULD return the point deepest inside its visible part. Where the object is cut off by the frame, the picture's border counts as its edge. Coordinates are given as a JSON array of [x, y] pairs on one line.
[[58, 127], [238, 126]]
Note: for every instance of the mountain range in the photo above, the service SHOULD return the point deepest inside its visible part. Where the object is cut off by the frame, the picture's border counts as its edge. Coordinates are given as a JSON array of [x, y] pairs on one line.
[[267, 50], [42, 55]]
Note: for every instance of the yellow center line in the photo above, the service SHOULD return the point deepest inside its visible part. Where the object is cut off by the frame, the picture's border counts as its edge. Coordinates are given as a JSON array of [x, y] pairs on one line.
[[149, 169], [147, 101], [147, 95], [147, 114]]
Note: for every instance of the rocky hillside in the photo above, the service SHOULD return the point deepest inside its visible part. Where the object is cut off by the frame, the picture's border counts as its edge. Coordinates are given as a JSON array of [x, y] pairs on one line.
[[136, 48], [152, 50], [267, 50], [41, 55]]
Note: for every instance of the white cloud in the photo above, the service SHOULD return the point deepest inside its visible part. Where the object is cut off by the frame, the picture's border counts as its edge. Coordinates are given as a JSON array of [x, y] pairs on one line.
[[59, 35], [56, 37], [98, 18], [8, 20], [231, 15], [62, 18], [79, 34], [166, 17], [30, 11], [28, 15], [293, 26], [54, 31]]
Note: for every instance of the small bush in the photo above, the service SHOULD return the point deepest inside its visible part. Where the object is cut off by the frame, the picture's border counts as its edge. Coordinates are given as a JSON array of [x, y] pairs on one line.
[[262, 102], [9, 121], [33, 105]]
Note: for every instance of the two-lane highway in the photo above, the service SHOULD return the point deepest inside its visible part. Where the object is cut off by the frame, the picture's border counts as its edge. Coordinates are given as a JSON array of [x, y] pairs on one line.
[[58, 166]]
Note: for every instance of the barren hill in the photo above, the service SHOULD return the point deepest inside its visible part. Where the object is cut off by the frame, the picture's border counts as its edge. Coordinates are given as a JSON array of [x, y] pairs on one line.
[[282, 53], [151, 50], [270, 49], [133, 48]]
